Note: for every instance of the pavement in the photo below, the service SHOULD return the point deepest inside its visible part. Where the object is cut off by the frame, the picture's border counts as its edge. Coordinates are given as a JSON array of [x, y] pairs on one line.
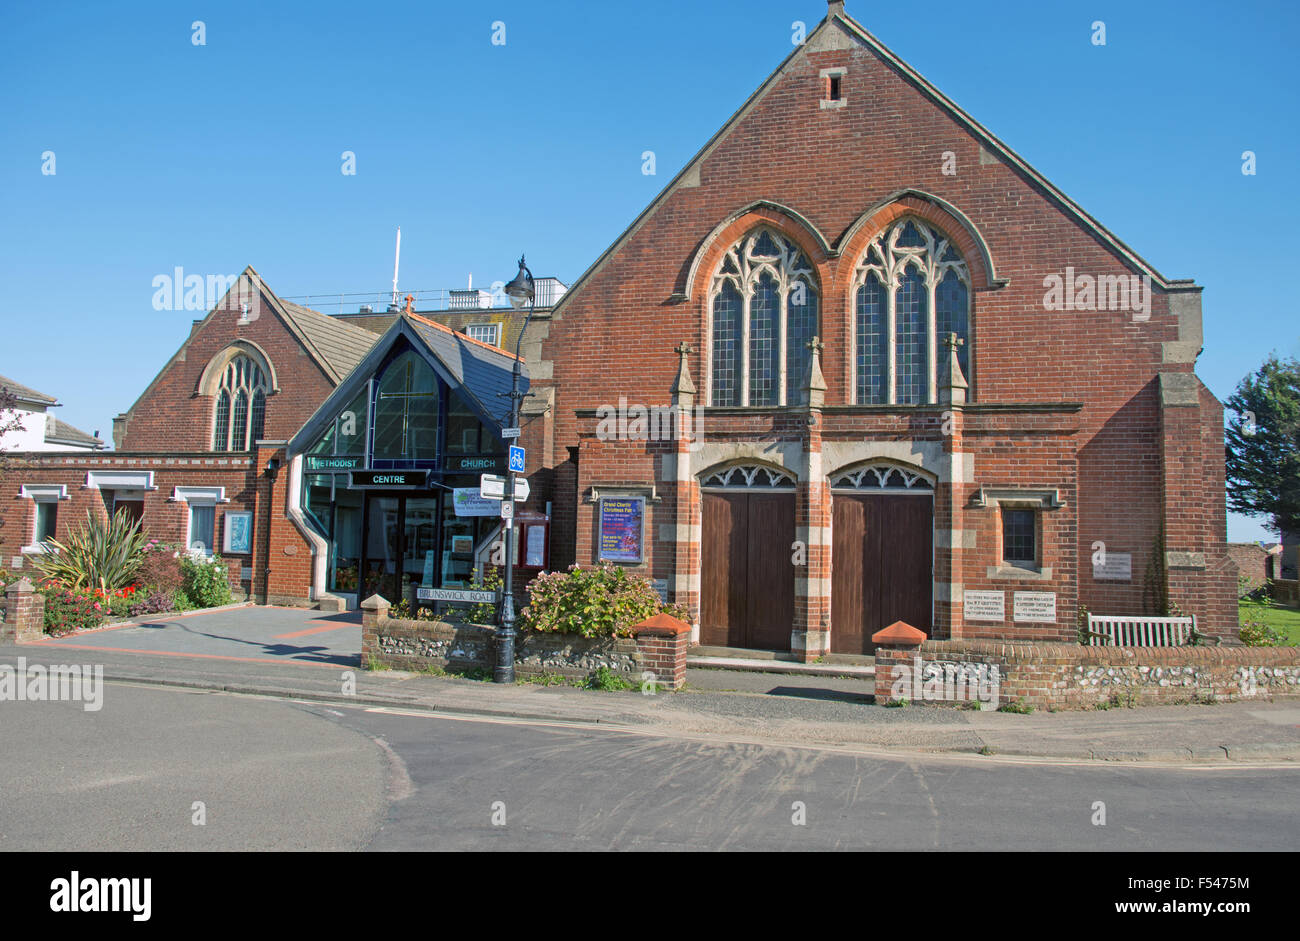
[[313, 656]]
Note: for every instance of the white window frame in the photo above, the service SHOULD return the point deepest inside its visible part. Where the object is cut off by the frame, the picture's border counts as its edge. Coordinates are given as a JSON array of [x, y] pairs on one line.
[[888, 261], [494, 327], [40, 493], [200, 497], [749, 268]]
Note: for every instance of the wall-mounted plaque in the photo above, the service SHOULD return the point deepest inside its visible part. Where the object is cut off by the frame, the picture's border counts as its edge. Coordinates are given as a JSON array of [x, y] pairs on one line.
[[1118, 568], [622, 529], [1035, 607], [984, 606]]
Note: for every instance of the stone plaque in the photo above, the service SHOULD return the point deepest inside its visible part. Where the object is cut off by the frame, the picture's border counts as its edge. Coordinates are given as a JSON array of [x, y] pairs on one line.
[[661, 587], [1118, 568], [985, 605], [1037, 607]]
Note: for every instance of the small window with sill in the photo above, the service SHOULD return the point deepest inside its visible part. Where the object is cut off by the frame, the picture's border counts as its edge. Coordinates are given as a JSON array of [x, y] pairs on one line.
[[1020, 537]]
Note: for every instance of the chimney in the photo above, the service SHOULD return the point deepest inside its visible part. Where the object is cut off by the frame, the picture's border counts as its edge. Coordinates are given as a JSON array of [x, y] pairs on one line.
[[835, 7]]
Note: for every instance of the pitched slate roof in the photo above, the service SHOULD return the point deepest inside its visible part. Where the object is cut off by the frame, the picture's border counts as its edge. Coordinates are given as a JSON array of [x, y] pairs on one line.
[[60, 432], [338, 344], [480, 372], [27, 393]]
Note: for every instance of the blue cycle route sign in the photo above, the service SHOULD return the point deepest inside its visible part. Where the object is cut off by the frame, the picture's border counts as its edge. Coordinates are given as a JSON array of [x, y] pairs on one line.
[[516, 459]]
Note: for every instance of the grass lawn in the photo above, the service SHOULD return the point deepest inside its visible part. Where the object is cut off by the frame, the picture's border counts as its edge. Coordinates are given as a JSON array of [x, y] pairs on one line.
[[1282, 618]]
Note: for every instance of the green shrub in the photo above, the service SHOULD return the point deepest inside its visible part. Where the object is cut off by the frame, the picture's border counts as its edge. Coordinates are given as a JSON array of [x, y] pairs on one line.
[[1019, 707], [207, 581], [103, 554], [601, 602], [604, 678], [71, 609], [160, 568], [1258, 634]]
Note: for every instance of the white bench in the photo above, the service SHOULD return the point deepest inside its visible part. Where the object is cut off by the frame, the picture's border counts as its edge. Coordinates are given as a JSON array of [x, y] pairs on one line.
[[1126, 631]]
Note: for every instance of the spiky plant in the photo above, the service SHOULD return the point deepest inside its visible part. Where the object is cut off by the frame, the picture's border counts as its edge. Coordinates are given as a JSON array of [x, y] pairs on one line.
[[101, 554]]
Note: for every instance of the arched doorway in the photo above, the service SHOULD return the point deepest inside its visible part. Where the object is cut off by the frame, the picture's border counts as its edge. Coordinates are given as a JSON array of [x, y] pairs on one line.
[[747, 579], [882, 553]]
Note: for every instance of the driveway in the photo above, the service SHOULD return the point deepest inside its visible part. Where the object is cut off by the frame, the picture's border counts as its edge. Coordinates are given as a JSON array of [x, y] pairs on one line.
[[251, 634]]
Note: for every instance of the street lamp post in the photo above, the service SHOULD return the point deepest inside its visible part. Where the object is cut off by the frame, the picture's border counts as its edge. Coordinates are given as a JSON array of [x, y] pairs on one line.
[[521, 291]]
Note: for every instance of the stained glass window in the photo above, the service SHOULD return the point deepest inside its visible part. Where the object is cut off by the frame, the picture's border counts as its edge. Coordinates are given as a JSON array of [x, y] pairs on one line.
[[766, 306]]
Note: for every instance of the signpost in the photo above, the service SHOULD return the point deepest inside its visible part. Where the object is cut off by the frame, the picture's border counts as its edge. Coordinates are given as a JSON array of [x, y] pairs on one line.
[[492, 487]]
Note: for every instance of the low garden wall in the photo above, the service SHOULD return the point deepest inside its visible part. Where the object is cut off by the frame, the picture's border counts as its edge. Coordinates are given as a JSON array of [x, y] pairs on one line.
[[659, 646], [1072, 676]]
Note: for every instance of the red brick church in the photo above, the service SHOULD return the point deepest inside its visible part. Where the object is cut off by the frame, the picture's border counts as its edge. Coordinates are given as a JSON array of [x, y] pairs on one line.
[[857, 363]]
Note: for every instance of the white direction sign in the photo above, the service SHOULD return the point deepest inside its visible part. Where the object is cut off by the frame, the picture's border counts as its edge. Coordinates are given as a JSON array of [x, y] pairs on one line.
[[493, 487], [456, 594]]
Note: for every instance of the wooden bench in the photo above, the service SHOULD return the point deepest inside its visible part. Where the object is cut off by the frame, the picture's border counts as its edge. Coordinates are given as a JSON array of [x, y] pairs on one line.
[[1126, 631]]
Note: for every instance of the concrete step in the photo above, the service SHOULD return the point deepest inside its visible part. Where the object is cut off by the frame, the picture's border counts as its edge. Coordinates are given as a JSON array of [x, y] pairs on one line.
[[787, 665]]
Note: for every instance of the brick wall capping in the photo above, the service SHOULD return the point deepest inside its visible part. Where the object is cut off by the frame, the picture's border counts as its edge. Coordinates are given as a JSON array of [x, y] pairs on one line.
[[900, 634], [376, 603], [22, 586], [662, 625]]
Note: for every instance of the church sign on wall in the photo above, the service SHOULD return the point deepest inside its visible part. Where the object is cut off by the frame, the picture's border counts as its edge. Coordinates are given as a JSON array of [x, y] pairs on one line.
[[622, 529], [389, 480]]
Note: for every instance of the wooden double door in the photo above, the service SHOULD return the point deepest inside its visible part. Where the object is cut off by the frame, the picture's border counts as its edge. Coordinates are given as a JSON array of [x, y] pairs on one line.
[[747, 578], [881, 566]]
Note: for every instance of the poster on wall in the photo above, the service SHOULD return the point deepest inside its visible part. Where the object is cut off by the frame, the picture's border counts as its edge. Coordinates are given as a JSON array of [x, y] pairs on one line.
[[238, 534], [621, 529]]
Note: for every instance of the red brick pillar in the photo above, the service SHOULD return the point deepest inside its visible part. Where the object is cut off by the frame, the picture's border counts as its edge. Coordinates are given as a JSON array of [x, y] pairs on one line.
[[898, 649], [662, 642], [24, 614], [374, 612]]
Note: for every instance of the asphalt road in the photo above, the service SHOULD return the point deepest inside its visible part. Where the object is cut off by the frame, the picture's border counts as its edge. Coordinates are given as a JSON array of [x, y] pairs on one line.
[[276, 774]]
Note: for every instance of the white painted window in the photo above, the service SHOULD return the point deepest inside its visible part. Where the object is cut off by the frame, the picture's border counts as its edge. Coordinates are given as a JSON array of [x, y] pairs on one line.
[[763, 311], [910, 290], [486, 332], [45, 513], [240, 413], [203, 526]]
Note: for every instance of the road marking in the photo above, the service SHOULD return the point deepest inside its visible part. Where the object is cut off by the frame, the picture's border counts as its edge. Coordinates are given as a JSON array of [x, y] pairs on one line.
[[312, 630], [205, 656]]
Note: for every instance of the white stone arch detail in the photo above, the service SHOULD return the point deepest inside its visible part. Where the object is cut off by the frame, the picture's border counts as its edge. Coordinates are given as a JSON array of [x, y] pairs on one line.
[[882, 476], [749, 475], [210, 379]]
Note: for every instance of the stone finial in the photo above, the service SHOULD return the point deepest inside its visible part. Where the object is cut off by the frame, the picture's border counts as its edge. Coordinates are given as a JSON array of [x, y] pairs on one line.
[[683, 387], [952, 384], [814, 384]]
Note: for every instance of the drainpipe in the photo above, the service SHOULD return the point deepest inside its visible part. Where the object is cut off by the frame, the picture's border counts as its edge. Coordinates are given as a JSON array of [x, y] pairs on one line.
[[319, 547]]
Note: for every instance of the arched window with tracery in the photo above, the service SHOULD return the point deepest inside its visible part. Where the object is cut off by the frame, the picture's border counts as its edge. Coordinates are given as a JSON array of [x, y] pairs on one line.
[[240, 416], [910, 290], [763, 309]]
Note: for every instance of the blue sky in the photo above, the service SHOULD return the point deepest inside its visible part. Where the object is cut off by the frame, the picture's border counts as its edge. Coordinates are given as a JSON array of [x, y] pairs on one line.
[[219, 156]]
